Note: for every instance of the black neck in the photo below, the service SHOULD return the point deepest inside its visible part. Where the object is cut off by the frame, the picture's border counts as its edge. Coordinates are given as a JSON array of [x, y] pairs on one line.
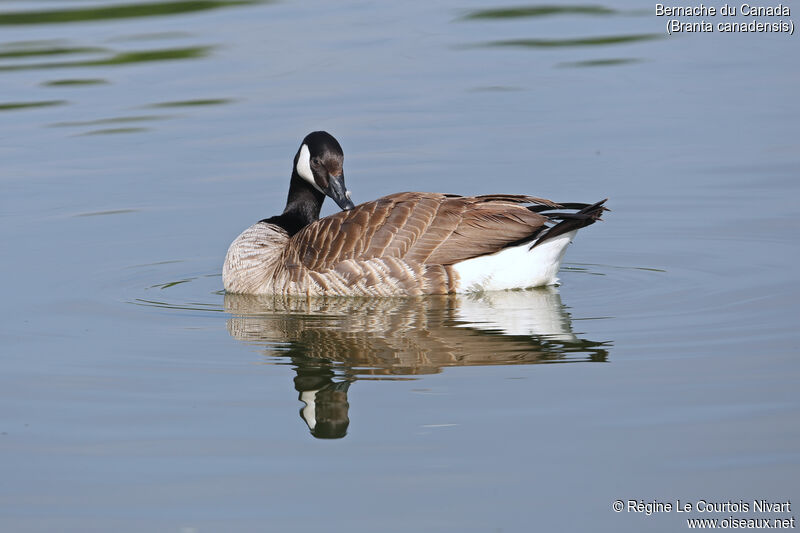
[[302, 206]]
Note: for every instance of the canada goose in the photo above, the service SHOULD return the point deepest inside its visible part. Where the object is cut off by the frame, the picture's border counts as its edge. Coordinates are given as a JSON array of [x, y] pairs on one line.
[[409, 243]]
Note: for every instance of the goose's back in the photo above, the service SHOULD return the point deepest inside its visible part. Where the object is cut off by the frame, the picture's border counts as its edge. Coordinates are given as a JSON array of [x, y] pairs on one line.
[[427, 228]]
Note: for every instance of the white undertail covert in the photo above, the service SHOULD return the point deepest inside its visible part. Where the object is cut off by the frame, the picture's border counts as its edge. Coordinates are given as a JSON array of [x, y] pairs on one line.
[[515, 267]]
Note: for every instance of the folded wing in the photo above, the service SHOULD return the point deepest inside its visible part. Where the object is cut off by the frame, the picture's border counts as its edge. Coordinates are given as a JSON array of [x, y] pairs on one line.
[[422, 228]]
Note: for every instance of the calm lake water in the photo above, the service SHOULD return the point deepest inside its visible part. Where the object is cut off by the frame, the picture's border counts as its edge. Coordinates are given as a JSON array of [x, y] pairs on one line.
[[138, 139]]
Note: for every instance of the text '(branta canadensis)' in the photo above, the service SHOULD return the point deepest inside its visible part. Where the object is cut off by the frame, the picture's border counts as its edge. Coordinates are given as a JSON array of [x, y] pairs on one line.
[[404, 244]]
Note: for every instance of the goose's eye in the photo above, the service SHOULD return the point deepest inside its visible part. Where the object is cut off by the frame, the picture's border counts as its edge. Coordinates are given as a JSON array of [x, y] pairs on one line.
[[316, 161]]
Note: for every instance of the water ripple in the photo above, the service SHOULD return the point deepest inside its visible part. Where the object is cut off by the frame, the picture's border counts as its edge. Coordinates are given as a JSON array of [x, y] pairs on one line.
[[537, 11], [85, 14]]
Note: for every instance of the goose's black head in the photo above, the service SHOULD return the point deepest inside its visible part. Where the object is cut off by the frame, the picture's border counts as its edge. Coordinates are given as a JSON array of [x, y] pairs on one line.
[[319, 162]]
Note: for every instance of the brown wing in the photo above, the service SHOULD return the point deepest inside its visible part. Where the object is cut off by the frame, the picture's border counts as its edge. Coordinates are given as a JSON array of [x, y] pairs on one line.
[[420, 227]]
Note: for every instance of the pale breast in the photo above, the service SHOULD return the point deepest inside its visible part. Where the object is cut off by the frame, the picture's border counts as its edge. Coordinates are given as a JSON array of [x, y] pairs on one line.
[[253, 258]]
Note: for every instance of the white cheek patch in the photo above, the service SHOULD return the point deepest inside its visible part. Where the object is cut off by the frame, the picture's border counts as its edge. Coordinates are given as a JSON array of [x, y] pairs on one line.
[[304, 167]]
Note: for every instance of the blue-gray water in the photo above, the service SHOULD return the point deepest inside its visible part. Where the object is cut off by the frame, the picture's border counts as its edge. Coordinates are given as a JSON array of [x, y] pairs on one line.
[[137, 140]]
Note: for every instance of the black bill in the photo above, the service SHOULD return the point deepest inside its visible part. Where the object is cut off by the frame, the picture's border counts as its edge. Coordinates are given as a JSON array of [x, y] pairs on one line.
[[337, 190]]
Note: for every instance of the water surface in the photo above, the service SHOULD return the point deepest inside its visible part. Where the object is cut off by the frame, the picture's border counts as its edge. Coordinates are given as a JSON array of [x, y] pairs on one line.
[[139, 138]]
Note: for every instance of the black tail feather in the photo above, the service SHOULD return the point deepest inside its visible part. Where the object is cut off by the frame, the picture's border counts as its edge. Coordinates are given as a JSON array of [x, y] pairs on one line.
[[586, 215], [570, 205]]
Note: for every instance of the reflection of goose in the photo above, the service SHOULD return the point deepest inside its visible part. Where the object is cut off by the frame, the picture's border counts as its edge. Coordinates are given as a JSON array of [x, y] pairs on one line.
[[518, 313], [403, 244], [395, 336], [334, 341]]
